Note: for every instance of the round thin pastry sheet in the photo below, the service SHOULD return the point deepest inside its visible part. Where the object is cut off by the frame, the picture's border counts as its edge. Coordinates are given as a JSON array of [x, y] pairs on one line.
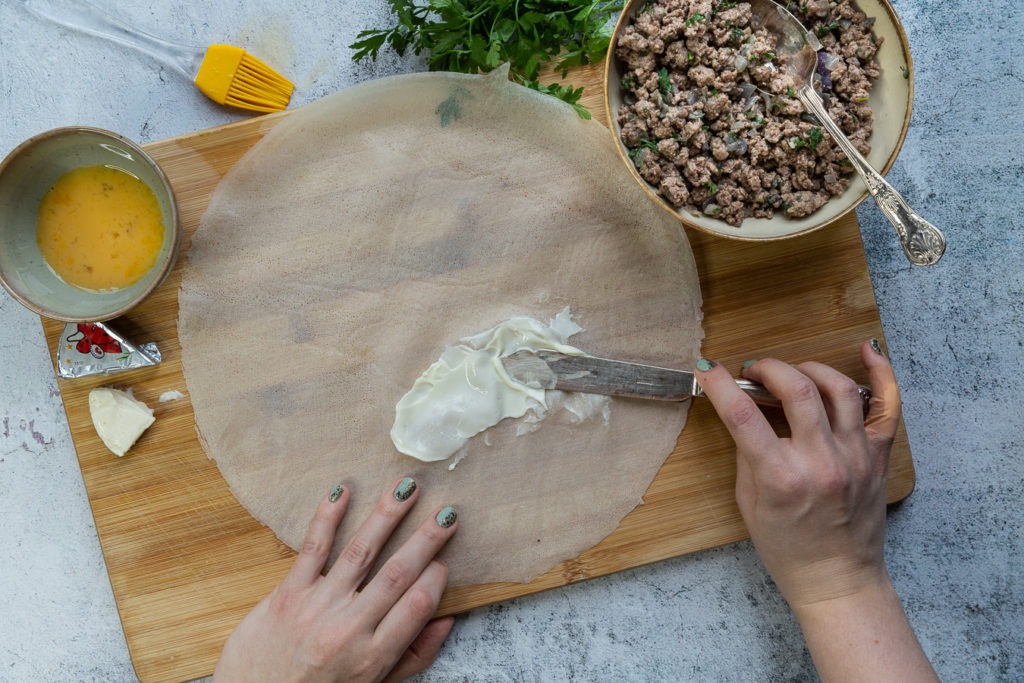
[[368, 231]]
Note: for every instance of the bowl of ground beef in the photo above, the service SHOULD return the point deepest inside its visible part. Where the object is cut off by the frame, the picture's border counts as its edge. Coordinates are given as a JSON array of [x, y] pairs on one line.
[[707, 123]]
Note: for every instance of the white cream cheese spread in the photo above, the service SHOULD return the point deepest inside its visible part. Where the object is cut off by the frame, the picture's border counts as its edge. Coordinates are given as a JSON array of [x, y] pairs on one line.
[[468, 390]]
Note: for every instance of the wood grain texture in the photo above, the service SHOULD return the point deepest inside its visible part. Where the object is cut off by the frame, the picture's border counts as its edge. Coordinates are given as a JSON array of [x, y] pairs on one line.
[[186, 561]]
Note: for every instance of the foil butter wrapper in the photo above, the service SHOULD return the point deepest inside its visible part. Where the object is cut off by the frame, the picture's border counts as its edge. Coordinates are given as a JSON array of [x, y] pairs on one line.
[[94, 349]]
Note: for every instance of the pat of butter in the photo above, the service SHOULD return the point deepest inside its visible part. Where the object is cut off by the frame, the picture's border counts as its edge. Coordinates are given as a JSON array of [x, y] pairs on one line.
[[467, 390], [119, 418]]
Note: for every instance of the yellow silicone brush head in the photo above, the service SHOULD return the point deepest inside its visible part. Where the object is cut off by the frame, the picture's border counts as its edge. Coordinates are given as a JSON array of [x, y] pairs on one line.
[[229, 75]]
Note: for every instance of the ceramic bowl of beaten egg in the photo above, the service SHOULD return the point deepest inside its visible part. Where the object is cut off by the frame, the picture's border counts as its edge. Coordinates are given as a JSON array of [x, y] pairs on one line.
[[88, 224], [686, 101]]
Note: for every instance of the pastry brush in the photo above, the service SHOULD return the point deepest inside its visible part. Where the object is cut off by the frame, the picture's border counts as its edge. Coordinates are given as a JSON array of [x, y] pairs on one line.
[[224, 73]]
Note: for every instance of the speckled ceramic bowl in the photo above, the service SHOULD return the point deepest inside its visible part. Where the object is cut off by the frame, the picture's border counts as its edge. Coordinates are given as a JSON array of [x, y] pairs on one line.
[[891, 101], [26, 175]]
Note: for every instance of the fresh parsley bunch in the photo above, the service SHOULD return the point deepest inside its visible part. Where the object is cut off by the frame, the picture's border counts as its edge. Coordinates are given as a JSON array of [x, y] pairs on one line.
[[475, 36]]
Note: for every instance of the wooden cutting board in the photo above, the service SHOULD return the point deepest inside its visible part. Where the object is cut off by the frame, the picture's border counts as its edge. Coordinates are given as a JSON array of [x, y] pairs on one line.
[[187, 562]]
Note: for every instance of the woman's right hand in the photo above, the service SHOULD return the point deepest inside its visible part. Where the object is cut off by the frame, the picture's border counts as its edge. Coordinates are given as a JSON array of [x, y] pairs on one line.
[[814, 503]]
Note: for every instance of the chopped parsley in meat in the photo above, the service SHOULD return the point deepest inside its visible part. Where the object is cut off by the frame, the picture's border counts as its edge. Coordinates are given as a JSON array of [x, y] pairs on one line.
[[701, 126]]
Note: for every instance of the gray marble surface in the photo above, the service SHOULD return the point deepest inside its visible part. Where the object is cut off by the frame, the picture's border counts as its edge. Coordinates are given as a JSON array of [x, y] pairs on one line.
[[954, 333]]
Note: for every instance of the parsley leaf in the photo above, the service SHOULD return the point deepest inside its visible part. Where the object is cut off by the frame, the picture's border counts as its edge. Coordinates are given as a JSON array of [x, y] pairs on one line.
[[814, 137], [644, 144], [476, 36], [664, 82], [825, 29]]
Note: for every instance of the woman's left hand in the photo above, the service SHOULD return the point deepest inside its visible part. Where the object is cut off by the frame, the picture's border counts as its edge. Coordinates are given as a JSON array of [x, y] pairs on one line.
[[330, 627]]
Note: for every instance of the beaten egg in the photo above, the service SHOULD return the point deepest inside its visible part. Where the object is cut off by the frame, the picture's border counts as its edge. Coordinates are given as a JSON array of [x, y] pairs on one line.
[[100, 228]]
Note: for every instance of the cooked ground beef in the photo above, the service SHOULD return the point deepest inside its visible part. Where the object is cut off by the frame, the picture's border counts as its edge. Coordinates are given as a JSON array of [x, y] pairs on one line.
[[701, 127]]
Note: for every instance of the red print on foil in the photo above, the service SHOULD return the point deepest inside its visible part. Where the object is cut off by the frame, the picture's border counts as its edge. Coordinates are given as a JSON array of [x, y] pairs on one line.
[[94, 340]]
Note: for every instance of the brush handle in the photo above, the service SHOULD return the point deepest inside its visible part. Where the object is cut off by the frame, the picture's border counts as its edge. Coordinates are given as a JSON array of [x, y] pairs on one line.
[[84, 17]]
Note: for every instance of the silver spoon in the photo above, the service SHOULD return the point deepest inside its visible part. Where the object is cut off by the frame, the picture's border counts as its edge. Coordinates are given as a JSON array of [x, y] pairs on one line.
[[922, 242]]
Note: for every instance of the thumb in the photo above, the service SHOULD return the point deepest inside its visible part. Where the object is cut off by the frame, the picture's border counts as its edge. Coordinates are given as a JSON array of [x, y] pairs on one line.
[[423, 650], [885, 407]]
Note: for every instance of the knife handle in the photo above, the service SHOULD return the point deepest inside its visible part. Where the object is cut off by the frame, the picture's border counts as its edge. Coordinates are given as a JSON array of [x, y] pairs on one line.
[[759, 393], [763, 397]]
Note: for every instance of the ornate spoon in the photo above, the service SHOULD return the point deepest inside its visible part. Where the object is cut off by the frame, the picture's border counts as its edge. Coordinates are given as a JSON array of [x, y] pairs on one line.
[[922, 242]]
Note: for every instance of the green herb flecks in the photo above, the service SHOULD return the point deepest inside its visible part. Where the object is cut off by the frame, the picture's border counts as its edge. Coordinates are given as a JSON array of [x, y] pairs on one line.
[[476, 36], [664, 82], [644, 144], [826, 29], [812, 139]]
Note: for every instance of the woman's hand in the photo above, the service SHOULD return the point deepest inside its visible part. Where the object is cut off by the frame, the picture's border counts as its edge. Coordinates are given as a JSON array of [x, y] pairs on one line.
[[814, 503], [332, 627]]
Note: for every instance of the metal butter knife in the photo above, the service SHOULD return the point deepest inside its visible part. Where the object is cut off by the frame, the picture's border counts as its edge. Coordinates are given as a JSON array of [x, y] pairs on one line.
[[551, 370]]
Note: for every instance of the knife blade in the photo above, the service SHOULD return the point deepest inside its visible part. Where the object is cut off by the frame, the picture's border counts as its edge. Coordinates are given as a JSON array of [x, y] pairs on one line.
[[587, 374]]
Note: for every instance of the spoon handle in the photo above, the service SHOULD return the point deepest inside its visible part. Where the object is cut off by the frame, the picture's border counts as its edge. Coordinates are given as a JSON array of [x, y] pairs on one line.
[[922, 242]]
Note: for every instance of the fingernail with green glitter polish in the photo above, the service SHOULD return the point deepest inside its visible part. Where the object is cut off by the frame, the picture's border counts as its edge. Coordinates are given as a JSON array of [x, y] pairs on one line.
[[446, 517], [336, 493], [876, 346], [405, 488], [748, 363], [704, 364]]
